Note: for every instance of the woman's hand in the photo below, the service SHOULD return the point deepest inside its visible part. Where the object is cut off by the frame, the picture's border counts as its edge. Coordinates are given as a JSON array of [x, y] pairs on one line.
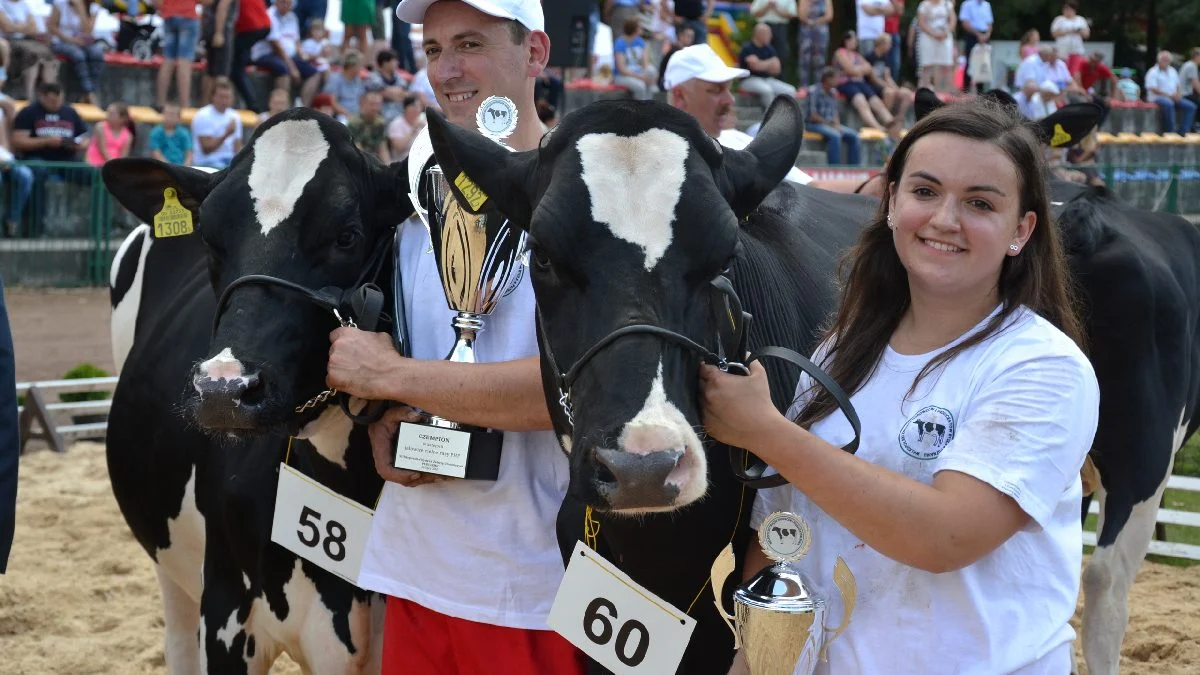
[[736, 409]]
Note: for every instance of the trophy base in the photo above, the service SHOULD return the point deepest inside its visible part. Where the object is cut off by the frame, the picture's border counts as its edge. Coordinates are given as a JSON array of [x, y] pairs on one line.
[[460, 451]]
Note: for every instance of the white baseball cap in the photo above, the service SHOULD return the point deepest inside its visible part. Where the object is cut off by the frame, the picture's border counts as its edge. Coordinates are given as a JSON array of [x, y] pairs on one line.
[[700, 62], [528, 13]]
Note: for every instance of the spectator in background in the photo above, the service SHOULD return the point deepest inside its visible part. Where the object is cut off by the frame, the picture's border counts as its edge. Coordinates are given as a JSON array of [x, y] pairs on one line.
[[872, 14], [662, 29], [70, 27], [896, 99], [759, 58], [323, 103], [30, 55], [111, 137], [1031, 41], [253, 24], [421, 86], [1045, 65], [1069, 31], [975, 17], [1098, 82], [821, 116], [403, 130], [891, 26], [277, 102], [698, 82], [171, 141], [309, 11], [1189, 79], [776, 14], [684, 37], [46, 130], [402, 44], [617, 12], [216, 29], [695, 13], [217, 129], [1163, 88], [316, 50], [813, 36], [935, 44], [548, 88], [348, 85], [389, 83], [368, 127], [632, 60], [852, 70], [279, 52], [21, 178], [181, 29], [357, 17]]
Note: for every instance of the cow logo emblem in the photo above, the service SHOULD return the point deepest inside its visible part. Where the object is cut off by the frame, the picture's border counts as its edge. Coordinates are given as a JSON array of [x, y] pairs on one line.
[[784, 537], [927, 433], [497, 118]]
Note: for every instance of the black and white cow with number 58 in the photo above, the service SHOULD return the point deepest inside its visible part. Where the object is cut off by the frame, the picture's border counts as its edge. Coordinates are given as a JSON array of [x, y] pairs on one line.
[[201, 418]]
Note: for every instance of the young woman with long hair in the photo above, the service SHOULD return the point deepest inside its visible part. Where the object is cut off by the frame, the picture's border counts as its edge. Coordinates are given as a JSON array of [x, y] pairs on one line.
[[957, 339]]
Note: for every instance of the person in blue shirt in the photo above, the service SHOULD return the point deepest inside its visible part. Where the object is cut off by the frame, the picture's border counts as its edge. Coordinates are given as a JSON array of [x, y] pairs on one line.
[[171, 141], [632, 60]]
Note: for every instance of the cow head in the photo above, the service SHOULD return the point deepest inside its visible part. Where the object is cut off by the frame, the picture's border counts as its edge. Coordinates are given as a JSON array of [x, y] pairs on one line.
[[632, 211], [300, 202], [1063, 128]]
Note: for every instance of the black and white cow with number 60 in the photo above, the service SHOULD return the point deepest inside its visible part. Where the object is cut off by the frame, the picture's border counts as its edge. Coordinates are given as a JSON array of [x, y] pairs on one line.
[[201, 419]]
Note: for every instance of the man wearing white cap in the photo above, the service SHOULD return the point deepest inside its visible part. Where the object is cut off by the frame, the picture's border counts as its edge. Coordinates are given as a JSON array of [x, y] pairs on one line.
[[698, 82], [470, 567]]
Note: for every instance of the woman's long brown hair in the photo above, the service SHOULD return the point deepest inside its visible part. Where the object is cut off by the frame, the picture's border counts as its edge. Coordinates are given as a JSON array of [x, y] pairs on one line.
[[876, 295]]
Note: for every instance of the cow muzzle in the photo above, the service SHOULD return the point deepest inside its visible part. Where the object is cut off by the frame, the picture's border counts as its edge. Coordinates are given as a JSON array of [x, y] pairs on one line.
[[648, 477], [230, 395]]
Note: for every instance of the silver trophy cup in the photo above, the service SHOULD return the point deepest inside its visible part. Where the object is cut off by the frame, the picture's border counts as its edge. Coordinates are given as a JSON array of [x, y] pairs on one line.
[[779, 625]]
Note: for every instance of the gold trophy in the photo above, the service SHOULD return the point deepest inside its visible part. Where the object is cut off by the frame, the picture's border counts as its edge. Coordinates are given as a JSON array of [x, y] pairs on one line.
[[479, 260], [779, 625]]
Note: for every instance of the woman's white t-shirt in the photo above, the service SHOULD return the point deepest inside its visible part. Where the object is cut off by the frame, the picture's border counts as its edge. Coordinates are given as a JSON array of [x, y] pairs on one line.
[[484, 551], [1071, 43], [1017, 412]]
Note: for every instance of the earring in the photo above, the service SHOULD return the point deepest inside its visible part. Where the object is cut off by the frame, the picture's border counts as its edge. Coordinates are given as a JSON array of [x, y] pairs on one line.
[[1014, 248], [891, 224]]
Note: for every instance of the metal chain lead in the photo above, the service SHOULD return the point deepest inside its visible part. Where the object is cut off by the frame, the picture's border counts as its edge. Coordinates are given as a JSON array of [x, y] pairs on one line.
[[325, 395]]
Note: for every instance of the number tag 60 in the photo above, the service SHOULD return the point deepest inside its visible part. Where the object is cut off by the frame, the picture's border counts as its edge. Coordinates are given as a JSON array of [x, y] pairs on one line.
[[320, 525], [612, 619]]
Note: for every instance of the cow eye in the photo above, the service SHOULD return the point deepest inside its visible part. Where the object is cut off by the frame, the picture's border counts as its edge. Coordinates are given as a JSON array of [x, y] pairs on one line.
[[347, 238], [538, 256]]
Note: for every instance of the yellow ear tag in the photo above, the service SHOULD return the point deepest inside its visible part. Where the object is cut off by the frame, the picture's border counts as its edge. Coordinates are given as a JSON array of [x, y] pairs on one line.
[[474, 196], [173, 220], [1061, 137]]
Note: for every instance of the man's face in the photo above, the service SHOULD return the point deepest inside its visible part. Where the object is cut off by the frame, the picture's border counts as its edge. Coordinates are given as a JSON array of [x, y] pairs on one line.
[[222, 98], [687, 37], [284, 6], [388, 67], [51, 101], [370, 106], [471, 57], [708, 102], [170, 115], [1164, 60], [762, 34]]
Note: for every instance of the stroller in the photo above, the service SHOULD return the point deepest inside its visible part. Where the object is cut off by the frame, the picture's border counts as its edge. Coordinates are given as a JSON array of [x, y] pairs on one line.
[[139, 35]]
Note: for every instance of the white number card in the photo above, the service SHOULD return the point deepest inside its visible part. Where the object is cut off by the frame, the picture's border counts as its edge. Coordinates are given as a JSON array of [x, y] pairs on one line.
[[319, 525], [612, 619], [432, 450]]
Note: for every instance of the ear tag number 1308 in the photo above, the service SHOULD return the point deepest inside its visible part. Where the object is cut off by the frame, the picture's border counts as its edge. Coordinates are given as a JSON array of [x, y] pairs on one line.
[[173, 220]]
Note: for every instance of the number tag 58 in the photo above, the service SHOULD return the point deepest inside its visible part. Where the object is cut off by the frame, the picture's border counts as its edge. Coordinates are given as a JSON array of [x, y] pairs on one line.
[[612, 619], [320, 525]]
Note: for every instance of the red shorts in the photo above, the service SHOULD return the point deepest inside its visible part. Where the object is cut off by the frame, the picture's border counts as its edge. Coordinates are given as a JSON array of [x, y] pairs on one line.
[[420, 641]]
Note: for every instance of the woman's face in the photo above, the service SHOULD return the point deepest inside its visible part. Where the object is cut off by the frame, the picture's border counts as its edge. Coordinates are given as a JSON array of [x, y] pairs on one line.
[[851, 42], [956, 211]]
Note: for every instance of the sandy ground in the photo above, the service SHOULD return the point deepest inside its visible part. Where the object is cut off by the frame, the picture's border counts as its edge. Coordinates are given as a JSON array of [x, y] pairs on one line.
[[80, 596]]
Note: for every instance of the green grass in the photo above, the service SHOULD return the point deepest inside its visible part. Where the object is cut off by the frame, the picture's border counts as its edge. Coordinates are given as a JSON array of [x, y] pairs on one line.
[[1187, 463]]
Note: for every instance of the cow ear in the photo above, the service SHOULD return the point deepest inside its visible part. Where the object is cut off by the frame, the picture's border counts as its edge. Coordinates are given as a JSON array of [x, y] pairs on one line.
[[483, 175], [748, 176], [1001, 97], [1069, 124], [925, 102], [141, 184], [392, 203]]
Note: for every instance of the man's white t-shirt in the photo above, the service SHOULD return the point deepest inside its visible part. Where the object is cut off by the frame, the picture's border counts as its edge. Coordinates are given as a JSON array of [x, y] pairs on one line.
[[209, 122], [1017, 412], [738, 140], [870, 27], [1071, 43], [484, 551], [16, 12], [1163, 79], [285, 29]]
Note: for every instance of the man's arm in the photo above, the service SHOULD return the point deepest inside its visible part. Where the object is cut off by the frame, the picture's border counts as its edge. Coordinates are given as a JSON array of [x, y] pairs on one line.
[[506, 395], [24, 141]]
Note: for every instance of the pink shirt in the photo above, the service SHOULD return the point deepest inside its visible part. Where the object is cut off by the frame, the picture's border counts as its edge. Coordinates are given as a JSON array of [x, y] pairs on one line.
[[112, 144]]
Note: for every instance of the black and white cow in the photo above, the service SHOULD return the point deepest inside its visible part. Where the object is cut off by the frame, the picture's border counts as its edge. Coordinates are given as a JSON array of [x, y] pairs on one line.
[[200, 422], [632, 210]]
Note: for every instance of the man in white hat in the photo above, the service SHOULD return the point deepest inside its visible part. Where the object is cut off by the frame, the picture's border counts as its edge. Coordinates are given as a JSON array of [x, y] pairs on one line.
[[470, 567], [698, 82]]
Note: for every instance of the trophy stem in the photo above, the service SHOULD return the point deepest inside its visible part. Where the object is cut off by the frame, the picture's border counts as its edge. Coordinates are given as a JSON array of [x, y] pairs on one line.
[[466, 326]]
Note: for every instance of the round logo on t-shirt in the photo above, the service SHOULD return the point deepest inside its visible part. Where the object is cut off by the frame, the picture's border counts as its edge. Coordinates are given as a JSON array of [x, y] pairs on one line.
[[927, 433]]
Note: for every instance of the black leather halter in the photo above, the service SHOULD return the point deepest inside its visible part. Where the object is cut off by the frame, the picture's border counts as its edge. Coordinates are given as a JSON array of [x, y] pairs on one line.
[[732, 334], [360, 306]]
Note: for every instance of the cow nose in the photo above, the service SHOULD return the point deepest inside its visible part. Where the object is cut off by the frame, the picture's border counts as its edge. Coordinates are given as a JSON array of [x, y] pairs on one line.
[[629, 480], [244, 389]]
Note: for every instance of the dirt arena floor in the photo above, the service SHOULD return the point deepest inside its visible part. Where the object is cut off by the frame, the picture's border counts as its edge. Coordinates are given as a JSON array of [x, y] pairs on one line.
[[80, 596]]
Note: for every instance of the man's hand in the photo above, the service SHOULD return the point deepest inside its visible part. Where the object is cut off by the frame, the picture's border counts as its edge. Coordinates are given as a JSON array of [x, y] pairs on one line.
[[357, 363], [231, 128], [383, 442]]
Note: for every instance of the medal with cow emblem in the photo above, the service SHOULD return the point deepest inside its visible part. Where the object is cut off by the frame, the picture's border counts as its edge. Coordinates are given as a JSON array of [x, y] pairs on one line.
[[497, 118], [778, 624]]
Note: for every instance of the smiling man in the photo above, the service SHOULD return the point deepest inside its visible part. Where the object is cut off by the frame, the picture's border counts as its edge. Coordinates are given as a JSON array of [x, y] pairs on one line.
[[470, 567]]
